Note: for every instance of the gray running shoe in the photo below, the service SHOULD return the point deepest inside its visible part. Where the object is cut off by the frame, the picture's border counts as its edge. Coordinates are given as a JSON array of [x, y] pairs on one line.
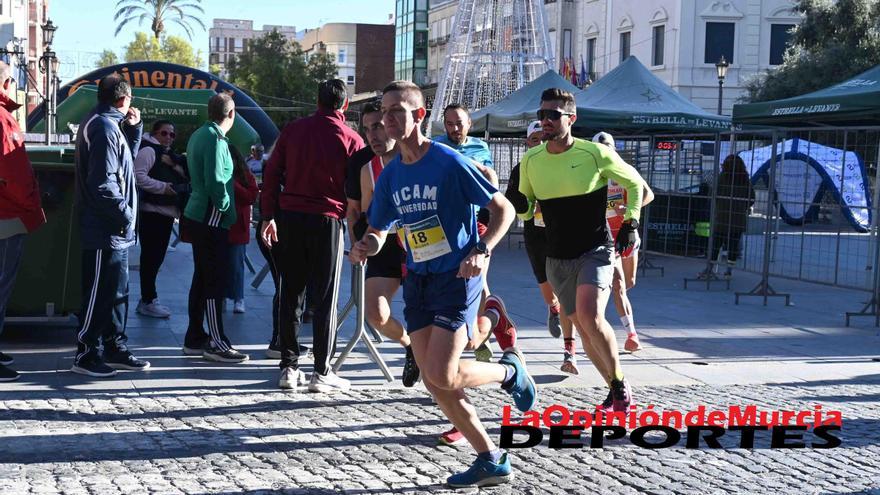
[[553, 324]]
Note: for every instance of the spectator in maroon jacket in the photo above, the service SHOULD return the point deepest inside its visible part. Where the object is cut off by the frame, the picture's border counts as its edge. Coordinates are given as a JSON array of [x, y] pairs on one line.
[[20, 210], [246, 191], [306, 220]]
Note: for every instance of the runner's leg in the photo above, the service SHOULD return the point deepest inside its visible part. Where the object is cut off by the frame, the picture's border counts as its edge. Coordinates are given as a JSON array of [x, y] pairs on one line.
[[378, 293], [442, 370], [591, 302], [624, 307]]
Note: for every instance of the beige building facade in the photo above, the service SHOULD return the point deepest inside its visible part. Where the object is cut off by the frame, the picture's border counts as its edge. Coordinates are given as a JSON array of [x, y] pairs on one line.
[[229, 37]]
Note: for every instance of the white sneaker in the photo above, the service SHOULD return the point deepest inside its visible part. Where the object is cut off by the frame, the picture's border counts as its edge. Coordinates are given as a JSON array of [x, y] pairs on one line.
[[153, 309], [239, 306], [328, 383], [291, 378]]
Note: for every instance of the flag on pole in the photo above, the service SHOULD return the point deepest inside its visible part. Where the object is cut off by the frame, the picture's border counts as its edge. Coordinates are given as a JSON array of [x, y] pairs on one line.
[[584, 75], [574, 73]]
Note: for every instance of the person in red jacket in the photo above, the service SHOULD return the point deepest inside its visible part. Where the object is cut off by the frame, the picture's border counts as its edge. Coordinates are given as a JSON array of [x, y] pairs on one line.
[[306, 219], [20, 210], [240, 233]]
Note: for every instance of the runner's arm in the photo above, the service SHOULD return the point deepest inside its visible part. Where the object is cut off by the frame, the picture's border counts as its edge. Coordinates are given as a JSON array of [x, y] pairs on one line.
[[487, 172], [366, 188], [352, 213], [648, 195], [614, 168], [503, 215], [519, 201], [525, 188], [362, 249], [381, 213]]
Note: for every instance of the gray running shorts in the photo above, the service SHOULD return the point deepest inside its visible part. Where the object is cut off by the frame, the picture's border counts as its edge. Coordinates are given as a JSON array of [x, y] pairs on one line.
[[595, 267]]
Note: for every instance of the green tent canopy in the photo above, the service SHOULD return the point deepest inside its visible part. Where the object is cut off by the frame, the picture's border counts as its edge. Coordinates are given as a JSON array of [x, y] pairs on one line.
[[855, 101], [186, 108], [512, 114], [631, 98]]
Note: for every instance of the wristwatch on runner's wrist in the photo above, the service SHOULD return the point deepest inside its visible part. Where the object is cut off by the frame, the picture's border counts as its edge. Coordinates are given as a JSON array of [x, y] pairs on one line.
[[633, 222], [482, 248]]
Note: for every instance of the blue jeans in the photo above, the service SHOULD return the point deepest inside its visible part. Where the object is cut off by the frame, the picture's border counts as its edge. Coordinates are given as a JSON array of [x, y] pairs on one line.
[[10, 259], [235, 287]]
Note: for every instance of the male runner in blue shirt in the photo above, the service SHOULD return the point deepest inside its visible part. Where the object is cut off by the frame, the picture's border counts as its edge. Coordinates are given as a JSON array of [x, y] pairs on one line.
[[432, 190]]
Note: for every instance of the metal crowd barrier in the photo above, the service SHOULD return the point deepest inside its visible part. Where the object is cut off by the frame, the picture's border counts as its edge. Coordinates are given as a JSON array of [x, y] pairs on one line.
[[356, 301]]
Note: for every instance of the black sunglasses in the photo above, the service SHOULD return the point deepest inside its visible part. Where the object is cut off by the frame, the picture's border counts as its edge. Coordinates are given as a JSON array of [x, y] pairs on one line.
[[551, 114], [167, 133]]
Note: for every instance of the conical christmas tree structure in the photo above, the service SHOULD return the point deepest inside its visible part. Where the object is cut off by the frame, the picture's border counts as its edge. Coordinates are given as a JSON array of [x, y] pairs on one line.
[[496, 47]]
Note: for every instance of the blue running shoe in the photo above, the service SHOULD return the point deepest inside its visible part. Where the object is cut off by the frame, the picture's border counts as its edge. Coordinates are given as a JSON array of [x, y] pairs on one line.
[[483, 473], [521, 386]]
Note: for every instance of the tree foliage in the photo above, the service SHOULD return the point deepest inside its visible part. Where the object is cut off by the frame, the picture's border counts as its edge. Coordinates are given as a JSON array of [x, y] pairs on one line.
[[158, 12], [107, 58], [172, 49], [277, 74], [835, 41]]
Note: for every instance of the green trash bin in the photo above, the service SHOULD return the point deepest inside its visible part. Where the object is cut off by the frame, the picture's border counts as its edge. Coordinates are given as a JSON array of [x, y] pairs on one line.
[[48, 284]]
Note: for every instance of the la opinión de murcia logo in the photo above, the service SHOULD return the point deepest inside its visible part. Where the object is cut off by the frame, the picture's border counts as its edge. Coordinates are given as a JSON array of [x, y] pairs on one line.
[[703, 427]]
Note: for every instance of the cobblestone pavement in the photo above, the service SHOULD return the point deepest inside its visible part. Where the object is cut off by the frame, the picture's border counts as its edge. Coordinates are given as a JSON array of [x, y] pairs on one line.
[[382, 440]]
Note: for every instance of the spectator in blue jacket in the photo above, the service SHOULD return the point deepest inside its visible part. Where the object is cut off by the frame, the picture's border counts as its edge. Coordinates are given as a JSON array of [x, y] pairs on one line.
[[106, 198]]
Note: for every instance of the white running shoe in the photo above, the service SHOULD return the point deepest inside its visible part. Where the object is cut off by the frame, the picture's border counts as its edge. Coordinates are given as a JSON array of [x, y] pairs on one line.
[[569, 364], [484, 353], [330, 382], [153, 309], [239, 306], [292, 378]]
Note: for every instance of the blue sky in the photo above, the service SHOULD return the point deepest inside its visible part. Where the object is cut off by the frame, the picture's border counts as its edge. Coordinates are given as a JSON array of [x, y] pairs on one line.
[[86, 28]]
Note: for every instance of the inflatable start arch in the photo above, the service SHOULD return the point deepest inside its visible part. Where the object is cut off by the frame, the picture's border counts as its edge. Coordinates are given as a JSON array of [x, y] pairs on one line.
[[175, 92]]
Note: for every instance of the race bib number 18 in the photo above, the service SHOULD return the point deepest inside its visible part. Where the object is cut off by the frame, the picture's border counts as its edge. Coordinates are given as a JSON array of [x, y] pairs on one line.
[[426, 239]]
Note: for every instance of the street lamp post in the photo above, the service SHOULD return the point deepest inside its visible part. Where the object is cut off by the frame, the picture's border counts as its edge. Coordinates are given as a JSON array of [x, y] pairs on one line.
[[721, 66], [49, 66], [18, 53]]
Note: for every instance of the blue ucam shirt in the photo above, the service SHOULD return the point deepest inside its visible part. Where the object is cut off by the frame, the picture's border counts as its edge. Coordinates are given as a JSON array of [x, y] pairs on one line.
[[473, 148], [432, 200]]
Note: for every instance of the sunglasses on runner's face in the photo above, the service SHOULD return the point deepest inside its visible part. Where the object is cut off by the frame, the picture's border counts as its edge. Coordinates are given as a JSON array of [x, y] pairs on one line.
[[551, 114], [167, 133]]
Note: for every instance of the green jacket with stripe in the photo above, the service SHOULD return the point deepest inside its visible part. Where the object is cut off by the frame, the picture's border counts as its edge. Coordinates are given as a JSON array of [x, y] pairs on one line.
[[210, 167]]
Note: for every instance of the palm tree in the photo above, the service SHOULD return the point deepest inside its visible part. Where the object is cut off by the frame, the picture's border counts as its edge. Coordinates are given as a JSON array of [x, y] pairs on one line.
[[159, 12]]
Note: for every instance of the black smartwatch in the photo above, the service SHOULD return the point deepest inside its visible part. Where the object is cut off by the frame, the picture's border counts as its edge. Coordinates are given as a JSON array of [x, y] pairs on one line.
[[482, 248], [634, 223]]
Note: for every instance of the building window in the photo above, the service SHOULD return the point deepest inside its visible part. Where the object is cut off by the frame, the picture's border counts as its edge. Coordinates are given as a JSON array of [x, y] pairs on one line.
[[350, 80], [340, 58], [719, 41], [591, 58], [659, 45], [566, 43], [625, 44], [780, 34]]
